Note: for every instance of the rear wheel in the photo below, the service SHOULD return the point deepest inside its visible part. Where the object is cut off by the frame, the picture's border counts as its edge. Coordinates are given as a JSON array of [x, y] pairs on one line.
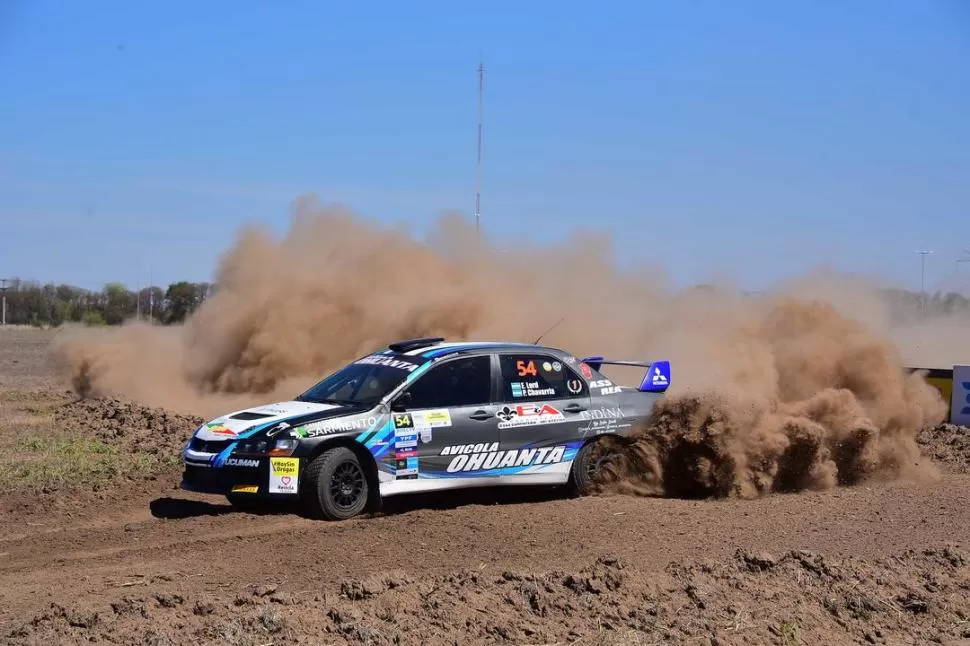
[[589, 462], [336, 486]]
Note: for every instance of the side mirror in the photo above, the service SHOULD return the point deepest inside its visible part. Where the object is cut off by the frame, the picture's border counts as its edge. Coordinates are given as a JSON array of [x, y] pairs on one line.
[[401, 404]]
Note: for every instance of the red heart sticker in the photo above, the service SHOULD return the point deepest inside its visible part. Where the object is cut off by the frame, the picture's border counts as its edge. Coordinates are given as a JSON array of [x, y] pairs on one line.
[[285, 480]]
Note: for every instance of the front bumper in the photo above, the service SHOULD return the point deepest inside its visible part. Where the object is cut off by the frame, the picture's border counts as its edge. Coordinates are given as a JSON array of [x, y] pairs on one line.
[[247, 481]]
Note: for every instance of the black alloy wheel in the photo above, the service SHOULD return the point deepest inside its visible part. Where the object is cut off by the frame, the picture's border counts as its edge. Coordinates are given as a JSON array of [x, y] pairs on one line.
[[335, 486]]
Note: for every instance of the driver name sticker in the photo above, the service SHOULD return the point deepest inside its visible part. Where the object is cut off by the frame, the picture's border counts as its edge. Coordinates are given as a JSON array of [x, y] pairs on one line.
[[284, 474]]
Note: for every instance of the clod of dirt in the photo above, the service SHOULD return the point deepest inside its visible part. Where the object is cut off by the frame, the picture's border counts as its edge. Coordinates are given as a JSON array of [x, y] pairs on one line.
[[948, 445], [751, 599]]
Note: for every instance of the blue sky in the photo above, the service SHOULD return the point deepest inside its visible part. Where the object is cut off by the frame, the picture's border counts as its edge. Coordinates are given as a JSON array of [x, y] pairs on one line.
[[756, 140]]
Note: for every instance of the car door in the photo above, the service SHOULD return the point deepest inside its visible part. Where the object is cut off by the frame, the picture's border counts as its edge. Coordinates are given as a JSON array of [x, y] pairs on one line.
[[448, 419], [543, 403]]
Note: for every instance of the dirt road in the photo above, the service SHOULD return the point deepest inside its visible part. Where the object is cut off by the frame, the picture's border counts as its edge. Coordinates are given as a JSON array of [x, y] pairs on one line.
[[101, 549]]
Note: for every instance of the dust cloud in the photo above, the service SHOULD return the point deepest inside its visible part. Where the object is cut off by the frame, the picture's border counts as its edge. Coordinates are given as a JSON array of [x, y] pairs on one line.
[[801, 389]]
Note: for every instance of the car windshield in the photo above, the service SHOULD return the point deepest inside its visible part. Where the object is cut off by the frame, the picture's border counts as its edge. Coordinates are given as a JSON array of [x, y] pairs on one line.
[[362, 383]]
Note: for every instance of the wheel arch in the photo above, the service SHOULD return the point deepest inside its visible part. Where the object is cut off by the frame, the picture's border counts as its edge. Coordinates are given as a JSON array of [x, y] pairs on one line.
[[367, 461]]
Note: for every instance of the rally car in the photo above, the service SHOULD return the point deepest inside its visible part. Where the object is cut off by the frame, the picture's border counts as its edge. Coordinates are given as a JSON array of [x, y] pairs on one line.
[[423, 415]]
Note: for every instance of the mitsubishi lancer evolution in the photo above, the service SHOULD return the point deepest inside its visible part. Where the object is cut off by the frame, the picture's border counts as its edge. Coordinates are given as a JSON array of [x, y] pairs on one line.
[[423, 415]]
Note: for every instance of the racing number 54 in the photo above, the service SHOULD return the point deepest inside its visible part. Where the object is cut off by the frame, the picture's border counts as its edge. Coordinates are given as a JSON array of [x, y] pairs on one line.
[[526, 369]]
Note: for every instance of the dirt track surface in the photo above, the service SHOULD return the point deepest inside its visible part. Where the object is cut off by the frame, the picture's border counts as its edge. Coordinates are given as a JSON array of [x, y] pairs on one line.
[[129, 558]]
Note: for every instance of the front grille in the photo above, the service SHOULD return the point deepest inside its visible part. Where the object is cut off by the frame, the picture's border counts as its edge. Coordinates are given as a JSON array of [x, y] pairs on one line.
[[208, 446], [220, 479]]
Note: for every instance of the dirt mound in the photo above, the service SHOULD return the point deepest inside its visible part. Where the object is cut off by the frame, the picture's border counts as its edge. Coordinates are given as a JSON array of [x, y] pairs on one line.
[[949, 445], [800, 597], [131, 427]]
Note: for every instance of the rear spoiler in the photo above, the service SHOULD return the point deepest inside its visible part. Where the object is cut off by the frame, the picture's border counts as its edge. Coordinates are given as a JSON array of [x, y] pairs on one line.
[[656, 379]]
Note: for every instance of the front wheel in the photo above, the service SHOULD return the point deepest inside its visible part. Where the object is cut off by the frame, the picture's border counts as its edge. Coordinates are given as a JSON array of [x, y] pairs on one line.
[[336, 485]]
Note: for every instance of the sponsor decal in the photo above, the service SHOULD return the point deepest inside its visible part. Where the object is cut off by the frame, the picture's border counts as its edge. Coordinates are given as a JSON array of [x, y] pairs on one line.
[[241, 462], [425, 435], [406, 441], [557, 366], [284, 475], [218, 429], [406, 453], [530, 389], [606, 386], [526, 368], [482, 457], [570, 359], [600, 426], [575, 386], [406, 469], [276, 430], [338, 425], [528, 415], [380, 360], [658, 378], [547, 366], [602, 413], [586, 370], [245, 489], [431, 418], [271, 411], [300, 431]]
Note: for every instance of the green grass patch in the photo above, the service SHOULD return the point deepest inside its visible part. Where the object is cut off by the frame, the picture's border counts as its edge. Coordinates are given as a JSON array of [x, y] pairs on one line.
[[44, 462]]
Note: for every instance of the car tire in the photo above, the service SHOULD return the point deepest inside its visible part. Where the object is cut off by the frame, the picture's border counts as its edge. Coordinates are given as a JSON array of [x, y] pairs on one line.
[[335, 485], [585, 463]]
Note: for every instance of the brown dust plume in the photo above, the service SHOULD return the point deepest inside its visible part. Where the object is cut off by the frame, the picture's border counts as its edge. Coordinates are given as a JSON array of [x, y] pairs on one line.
[[774, 393]]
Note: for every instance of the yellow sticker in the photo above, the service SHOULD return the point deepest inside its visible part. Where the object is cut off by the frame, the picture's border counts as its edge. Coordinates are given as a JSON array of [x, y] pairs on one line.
[[285, 466], [284, 475], [245, 489]]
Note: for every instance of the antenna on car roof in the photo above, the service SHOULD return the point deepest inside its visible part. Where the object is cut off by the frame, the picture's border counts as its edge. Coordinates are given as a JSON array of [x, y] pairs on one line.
[[549, 330]]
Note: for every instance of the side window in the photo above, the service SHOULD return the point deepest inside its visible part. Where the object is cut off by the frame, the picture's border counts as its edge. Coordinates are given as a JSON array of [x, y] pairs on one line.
[[461, 382], [532, 377]]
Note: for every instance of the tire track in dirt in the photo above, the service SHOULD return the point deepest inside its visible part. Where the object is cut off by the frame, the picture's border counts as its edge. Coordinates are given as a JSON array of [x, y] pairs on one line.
[[235, 549]]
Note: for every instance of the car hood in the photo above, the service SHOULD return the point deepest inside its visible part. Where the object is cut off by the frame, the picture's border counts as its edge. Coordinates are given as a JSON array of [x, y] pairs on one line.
[[229, 426]]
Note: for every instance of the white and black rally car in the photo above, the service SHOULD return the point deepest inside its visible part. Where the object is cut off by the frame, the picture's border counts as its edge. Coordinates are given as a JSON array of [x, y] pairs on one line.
[[422, 415]]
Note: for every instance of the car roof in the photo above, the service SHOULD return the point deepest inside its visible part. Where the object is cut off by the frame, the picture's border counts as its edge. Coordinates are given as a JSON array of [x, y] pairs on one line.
[[436, 348]]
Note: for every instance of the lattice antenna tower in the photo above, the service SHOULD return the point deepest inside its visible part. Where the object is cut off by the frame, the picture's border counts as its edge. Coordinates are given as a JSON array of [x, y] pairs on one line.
[[478, 163]]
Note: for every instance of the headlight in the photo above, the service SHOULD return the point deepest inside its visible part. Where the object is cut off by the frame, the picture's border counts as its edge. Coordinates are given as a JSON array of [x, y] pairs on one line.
[[282, 447]]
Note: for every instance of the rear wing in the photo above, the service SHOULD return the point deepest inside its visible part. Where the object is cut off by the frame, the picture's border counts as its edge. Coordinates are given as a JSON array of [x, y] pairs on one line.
[[655, 380]]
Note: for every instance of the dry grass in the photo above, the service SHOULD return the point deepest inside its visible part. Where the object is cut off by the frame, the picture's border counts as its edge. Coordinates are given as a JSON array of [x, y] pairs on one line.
[[37, 455]]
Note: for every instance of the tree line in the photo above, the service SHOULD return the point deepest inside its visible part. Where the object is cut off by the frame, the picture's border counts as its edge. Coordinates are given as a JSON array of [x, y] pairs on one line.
[[30, 303]]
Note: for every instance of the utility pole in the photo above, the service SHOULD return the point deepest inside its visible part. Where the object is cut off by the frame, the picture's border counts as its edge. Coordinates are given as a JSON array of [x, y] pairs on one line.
[[151, 296], [922, 279], [3, 290], [478, 165]]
